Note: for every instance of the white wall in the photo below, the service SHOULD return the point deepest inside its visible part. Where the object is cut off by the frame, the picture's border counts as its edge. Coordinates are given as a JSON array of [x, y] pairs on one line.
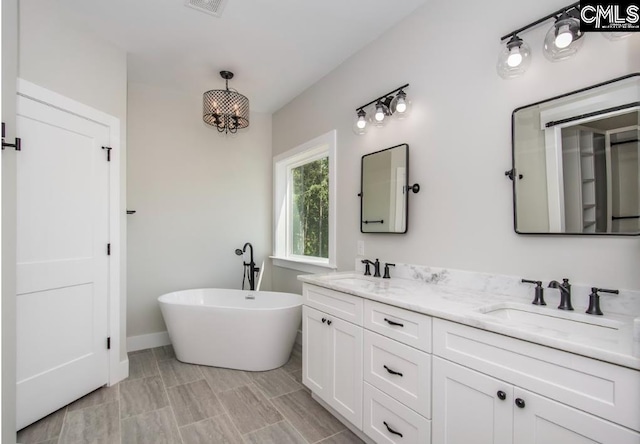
[[459, 138], [59, 55], [198, 195]]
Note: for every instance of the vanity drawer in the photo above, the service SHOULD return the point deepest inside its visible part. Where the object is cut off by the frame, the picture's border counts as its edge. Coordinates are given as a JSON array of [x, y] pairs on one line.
[[342, 305], [603, 389], [398, 370], [383, 414], [406, 326]]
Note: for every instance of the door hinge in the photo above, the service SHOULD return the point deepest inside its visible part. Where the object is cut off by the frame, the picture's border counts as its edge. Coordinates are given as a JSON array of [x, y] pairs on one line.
[[17, 144], [108, 249], [109, 343], [108, 148]]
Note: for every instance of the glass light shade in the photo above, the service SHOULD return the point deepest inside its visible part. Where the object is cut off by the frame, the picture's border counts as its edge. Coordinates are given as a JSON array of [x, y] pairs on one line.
[[514, 58], [400, 106], [563, 40], [380, 115], [360, 124], [614, 36]]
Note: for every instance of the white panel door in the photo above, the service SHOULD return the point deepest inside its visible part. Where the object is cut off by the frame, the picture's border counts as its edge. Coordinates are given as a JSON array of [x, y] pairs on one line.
[[62, 264], [315, 351], [346, 369], [468, 406], [540, 420]]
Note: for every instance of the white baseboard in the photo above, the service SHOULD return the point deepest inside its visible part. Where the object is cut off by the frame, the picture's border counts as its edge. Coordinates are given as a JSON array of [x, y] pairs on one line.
[[143, 342], [123, 373]]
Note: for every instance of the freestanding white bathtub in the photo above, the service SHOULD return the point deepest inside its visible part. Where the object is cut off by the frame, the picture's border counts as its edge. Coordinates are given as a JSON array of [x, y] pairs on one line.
[[239, 329]]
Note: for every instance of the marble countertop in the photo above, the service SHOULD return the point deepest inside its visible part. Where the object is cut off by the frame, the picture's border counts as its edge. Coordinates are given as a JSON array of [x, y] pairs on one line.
[[469, 306]]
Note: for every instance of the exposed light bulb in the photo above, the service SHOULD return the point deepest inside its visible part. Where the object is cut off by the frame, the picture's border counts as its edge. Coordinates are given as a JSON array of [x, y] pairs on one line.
[[379, 115], [361, 122], [401, 105], [515, 58], [564, 37]]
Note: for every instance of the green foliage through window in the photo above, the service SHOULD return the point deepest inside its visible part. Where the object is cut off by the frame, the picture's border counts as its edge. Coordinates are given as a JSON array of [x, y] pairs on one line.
[[310, 209]]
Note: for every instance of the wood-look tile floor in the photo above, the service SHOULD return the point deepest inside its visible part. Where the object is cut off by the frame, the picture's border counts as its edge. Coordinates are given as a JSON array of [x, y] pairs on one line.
[[167, 401]]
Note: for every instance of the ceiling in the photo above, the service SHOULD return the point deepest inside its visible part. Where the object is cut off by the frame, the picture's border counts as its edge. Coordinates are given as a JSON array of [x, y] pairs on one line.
[[276, 48]]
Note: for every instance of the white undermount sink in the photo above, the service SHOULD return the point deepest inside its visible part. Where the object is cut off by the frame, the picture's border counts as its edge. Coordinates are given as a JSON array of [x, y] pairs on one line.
[[553, 319], [349, 279]]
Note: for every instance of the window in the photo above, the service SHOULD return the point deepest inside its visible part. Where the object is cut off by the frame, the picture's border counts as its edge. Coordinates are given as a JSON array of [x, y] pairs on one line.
[[304, 205]]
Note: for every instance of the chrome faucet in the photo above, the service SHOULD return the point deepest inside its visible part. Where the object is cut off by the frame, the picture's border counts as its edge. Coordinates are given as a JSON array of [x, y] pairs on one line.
[[565, 293]]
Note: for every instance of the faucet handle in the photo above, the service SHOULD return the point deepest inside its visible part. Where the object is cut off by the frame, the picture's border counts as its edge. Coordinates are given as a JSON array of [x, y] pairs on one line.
[[604, 290], [386, 270], [594, 300], [367, 270], [539, 292]]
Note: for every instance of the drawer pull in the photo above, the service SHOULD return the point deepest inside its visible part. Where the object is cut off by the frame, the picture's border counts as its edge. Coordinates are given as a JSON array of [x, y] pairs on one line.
[[502, 395], [520, 402], [394, 323], [391, 430], [393, 372]]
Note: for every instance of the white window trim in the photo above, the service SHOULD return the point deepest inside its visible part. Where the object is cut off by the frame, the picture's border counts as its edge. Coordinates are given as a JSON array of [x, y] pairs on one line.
[[324, 145]]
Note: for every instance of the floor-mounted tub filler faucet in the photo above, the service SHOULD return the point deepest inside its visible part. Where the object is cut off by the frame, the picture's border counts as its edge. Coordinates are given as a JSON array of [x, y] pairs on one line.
[[250, 269], [565, 293]]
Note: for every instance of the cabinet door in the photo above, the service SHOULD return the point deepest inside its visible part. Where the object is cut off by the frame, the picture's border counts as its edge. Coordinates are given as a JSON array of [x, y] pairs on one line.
[[540, 420], [346, 370], [467, 406], [315, 351]]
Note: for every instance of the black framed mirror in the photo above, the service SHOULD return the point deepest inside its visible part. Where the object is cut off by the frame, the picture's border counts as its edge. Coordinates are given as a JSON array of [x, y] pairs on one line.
[[384, 189], [576, 162]]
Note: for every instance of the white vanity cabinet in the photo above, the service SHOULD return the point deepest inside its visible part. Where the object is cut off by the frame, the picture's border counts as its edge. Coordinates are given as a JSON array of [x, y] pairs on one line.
[[405, 377], [332, 350], [503, 390]]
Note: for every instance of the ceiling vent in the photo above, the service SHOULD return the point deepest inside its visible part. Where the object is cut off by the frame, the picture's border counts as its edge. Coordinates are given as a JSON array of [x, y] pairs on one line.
[[213, 7]]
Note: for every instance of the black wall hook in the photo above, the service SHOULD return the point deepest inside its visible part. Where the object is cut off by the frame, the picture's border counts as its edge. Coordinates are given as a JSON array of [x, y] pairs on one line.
[[511, 174], [415, 188]]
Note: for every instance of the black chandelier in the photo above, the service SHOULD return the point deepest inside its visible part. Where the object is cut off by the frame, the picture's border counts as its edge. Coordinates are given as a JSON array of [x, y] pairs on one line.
[[226, 109]]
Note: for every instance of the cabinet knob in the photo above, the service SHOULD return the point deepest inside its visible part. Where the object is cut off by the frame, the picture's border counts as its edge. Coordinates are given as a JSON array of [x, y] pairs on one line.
[[391, 430], [520, 402], [324, 320], [329, 322], [502, 395]]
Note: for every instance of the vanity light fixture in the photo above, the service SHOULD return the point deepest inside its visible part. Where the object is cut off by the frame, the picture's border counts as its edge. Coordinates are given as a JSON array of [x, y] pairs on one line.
[[562, 41], [226, 109], [395, 103]]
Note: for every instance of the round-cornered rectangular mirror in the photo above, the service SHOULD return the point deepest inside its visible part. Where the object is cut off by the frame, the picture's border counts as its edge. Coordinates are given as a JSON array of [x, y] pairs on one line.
[[384, 190], [576, 162]]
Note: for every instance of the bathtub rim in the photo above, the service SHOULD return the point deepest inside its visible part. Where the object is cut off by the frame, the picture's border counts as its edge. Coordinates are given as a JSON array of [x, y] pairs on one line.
[[220, 307]]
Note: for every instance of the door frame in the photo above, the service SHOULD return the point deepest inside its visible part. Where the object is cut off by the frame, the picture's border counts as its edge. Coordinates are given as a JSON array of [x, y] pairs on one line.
[[117, 370]]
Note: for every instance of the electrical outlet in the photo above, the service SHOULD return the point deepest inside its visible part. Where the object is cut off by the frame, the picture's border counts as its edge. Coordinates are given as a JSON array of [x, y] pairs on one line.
[[360, 248]]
